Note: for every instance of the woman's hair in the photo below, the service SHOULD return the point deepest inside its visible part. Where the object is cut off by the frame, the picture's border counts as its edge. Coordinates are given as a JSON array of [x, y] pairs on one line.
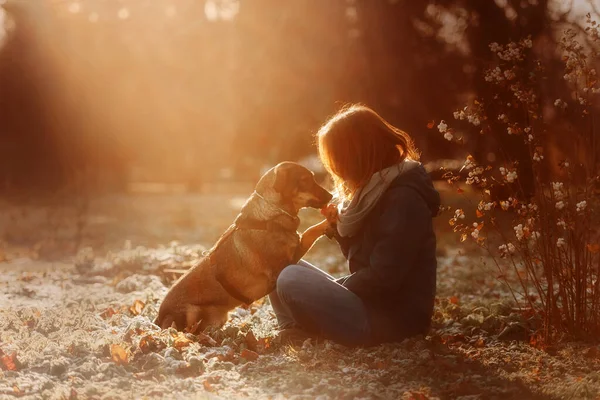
[[356, 143]]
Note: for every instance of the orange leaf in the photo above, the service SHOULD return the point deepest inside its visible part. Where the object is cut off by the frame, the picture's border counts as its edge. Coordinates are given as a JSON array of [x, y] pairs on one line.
[[478, 213], [453, 300], [181, 341], [109, 312], [459, 191], [147, 344], [463, 237], [249, 355], [118, 354], [137, 307], [9, 361], [430, 124], [207, 386], [593, 248]]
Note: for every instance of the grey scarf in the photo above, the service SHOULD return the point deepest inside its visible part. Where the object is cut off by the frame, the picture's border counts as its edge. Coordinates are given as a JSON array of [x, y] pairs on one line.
[[352, 213]]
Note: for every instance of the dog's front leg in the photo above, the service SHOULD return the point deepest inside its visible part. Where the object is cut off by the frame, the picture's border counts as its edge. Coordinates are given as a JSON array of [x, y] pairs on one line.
[[309, 237]]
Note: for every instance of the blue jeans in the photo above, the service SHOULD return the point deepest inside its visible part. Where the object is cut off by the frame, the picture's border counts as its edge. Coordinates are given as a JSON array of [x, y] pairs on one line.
[[310, 299]]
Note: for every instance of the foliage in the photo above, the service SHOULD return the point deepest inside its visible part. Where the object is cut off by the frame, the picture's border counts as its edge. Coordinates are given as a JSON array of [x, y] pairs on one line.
[[549, 256]]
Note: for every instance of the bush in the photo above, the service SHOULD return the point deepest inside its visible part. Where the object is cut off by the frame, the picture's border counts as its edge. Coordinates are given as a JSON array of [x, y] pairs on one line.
[[544, 242]]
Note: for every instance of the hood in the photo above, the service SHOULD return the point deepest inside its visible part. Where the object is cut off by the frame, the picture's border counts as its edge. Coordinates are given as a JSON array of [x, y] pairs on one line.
[[419, 180]]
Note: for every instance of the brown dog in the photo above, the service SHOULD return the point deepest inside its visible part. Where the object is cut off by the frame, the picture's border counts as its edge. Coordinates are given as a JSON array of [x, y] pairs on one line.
[[244, 264]]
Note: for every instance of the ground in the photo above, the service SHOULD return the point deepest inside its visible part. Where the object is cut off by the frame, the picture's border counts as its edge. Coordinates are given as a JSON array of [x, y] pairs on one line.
[[77, 327]]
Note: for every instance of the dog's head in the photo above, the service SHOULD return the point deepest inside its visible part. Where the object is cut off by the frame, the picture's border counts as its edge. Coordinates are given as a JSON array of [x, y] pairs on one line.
[[295, 185]]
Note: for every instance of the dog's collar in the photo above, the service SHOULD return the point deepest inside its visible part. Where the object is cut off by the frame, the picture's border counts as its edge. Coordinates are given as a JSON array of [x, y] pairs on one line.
[[260, 196]]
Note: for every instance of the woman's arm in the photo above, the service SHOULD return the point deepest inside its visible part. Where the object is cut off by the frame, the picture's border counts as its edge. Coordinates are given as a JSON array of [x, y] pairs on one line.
[[400, 229], [309, 237]]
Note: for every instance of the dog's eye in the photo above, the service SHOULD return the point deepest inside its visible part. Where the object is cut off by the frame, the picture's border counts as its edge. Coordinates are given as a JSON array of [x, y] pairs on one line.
[[304, 183]]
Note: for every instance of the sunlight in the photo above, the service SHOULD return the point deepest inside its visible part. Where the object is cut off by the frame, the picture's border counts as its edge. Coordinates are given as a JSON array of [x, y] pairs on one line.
[[123, 13], [74, 8], [225, 10]]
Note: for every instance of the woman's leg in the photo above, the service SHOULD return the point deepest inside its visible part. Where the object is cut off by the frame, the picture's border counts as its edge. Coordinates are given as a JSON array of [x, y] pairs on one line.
[[310, 299]]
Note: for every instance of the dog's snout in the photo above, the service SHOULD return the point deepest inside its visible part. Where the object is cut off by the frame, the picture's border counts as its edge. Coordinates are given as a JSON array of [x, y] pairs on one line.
[[323, 197]]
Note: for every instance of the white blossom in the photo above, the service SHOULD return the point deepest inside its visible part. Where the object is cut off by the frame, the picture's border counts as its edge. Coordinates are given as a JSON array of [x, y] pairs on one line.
[[442, 126], [448, 136], [560, 242], [561, 223], [559, 103], [581, 206], [558, 190], [560, 205], [459, 213], [519, 232]]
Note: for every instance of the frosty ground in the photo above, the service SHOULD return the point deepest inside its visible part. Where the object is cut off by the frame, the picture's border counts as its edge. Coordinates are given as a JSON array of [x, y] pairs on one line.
[[76, 327]]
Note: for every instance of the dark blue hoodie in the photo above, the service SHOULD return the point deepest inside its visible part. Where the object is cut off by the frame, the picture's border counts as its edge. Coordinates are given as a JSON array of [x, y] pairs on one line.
[[392, 259]]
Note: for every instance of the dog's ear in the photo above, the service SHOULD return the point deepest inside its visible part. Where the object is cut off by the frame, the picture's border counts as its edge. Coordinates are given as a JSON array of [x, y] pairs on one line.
[[282, 178]]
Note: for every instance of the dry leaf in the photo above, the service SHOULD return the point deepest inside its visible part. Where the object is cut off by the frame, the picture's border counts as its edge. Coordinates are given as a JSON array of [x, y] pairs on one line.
[[205, 340], [249, 355], [208, 386], [118, 354], [593, 248], [148, 344], [181, 341], [453, 300], [251, 341], [137, 307], [109, 312], [430, 124], [8, 362], [478, 213]]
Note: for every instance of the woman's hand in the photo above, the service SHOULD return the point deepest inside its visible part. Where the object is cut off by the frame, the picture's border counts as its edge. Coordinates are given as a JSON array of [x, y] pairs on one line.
[[310, 236], [330, 212]]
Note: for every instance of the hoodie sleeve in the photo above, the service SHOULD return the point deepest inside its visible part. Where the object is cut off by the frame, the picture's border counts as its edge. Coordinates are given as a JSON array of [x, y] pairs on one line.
[[399, 230]]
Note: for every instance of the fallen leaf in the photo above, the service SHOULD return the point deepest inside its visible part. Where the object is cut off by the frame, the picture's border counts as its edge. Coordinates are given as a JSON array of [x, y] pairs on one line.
[[181, 341], [137, 307], [593, 248], [210, 381], [229, 356], [148, 344], [205, 340], [118, 354], [453, 300], [430, 124], [9, 362], [251, 341], [249, 355], [109, 312]]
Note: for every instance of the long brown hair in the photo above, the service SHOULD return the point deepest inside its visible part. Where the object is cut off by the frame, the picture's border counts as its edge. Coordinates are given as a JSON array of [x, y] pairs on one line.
[[356, 143]]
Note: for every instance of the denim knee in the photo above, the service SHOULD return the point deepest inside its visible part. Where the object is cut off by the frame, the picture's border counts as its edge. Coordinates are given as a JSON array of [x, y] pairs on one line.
[[289, 280]]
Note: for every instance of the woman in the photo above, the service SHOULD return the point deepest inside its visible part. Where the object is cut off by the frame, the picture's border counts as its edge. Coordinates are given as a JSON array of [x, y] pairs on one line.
[[384, 229]]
